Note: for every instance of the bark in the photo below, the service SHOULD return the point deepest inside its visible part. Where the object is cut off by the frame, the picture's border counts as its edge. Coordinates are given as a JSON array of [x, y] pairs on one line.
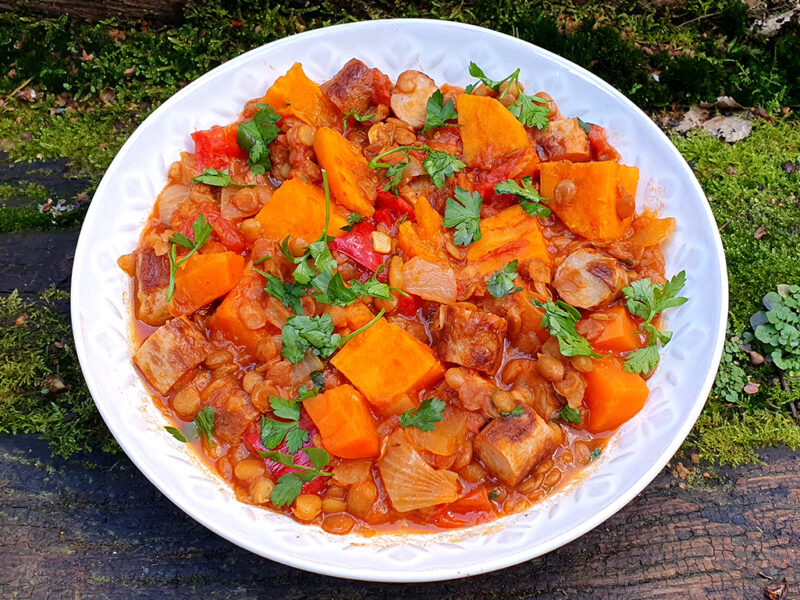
[[97, 10]]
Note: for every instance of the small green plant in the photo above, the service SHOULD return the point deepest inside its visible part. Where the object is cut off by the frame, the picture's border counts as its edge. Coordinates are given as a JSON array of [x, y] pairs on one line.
[[731, 377], [778, 328]]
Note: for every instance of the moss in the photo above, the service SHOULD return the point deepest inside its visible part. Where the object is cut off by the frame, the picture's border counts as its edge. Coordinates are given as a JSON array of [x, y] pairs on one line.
[[722, 437], [36, 348]]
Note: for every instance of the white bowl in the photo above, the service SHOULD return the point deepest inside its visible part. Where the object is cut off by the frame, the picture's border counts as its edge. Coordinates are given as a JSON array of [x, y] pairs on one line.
[[638, 451]]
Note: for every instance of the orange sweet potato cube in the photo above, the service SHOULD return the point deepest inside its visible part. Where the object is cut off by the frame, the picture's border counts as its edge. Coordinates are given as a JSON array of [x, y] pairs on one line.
[[295, 95], [388, 365]]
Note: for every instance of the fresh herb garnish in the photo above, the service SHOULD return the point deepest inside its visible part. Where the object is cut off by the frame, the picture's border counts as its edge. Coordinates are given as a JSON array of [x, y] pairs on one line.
[[584, 125], [217, 178], [354, 113], [437, 164], [529, 198], [290, 485], [560, 319], [352, 220], [424, 416], [501, 283], [531, 111], [204, 422], [318, 379], [264, 258], [645, 300], [518, 411], [493, 494], [180, 436], [288, 293], [438, 112], [464, 213], [594, 454], [302, 333], [202, 232], [255, 135], [571, 415]]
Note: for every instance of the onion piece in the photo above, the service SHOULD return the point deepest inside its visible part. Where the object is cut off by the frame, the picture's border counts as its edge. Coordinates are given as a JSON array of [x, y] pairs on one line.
[[302, 370], [411, 482], [448, 435], [168, 200], [429, 280]]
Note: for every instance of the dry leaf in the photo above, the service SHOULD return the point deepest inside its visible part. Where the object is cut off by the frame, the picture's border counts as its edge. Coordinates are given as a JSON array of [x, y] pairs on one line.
[[108, 95], [694, 117], [776, 591], [751, 388], [729, 129]]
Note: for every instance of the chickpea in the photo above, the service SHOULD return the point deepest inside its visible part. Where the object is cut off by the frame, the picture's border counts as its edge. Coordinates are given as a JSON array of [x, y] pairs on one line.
[[260, 490], [246, 200], [463, 456], [626, 204], [226, 369], [333, 505], [583, 364], [549, 368], [531, 484], [307, 507], [544, 466], [305, 135], [186, 403], [338, 524], [252, 314], [249, 469], [266, 349], [564, 191], [251, 380], [250, 229], [361, 497], [552, 478], [473, 472], [218, 358], [504, 401], [336, 492], [582, 453], [260, 395]]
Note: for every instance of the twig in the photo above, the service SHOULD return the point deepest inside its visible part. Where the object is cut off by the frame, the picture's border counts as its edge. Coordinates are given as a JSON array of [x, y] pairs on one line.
[[698, 19], [19, 87], [785, 386]]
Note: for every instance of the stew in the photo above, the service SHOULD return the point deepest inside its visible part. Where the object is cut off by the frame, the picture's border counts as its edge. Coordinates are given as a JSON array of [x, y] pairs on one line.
[[381, 305]]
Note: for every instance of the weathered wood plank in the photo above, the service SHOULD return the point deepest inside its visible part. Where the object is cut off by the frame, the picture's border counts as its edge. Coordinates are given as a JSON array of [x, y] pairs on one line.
[[33, 260], [72, 530], [96, 10]]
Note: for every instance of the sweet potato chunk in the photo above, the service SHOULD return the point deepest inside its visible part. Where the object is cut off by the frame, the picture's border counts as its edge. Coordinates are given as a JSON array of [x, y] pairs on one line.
[[295, 95], [297, 209], [353, 184], [509, 234], [203, 278], [151, 286], [345, 424], [604, 199], [169, 352], [488, 130], [564, 139], [388, 365], [511, 446], [471, 338]]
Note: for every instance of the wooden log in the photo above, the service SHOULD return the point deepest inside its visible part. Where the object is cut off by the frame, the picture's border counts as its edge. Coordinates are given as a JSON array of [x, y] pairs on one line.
[[94, 527], [33, 260], [167, 11]]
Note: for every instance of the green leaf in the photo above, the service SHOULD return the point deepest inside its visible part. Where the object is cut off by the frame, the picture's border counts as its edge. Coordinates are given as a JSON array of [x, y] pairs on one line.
[[217, 178], [273, 432], [501, 283], [286, 490], [295, 439], [352, 219], [305, 394], [531, 111], [477, 72], [284, 409], [424, 416], [571, 415], [595, 453], [438, 112], [176, 433], [644, 360], [181, 240], [560, 319], [318, 457], [646, 299], [464, 213], [204, 421], [584, 125], [202, 231], [288, 293], [304, 273], [493, 494], [529, 198], [321, 255], [301, 333], [395, 175], [255, 135], [518, 411], [439, 165]]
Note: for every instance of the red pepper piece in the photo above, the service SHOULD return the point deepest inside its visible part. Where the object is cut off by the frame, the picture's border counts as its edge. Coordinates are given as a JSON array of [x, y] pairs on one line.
[[252, 441], [215, 148], [407, 306], [395, 205], [357, 244], [382, 215], [226, 231], [472, 508], [598, 143]]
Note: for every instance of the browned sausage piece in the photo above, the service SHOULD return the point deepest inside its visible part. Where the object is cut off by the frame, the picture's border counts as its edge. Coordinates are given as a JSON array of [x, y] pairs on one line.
[[589, 278], [233, 411], [468, 337], [152, 283], [511, 446], [169, 352]]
